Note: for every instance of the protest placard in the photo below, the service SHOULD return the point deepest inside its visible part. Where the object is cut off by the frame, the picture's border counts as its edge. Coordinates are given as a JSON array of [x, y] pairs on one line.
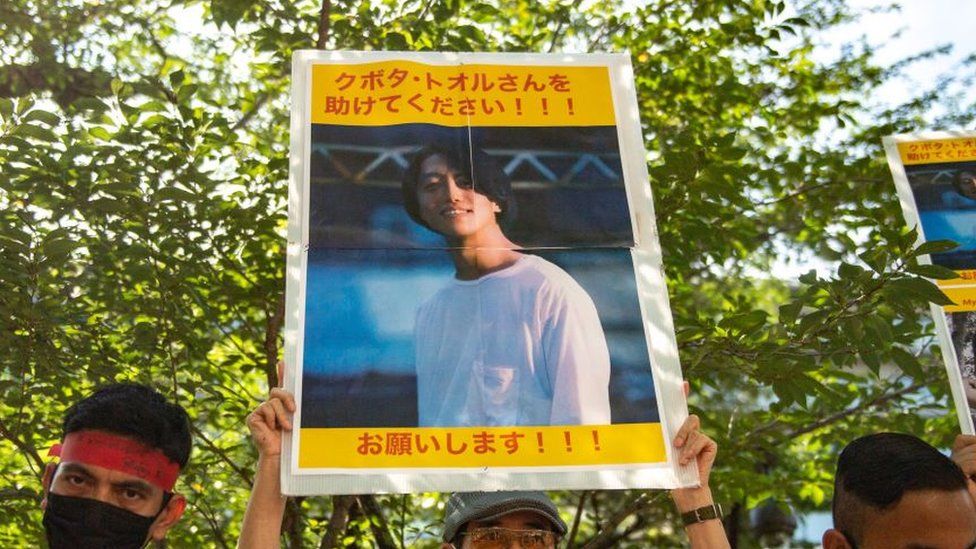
[[935, 175], [475, 293]]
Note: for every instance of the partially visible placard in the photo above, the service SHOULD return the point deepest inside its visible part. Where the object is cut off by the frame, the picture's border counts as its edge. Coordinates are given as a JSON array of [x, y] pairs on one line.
[[475, 294], [935, 174]]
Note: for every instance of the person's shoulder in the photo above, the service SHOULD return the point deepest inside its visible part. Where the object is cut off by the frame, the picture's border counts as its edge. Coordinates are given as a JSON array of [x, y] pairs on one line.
[[551, 277]]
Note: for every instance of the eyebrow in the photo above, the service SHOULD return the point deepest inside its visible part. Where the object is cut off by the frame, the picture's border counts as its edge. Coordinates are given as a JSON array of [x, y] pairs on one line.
[[972, 545], [137, 485], [75, 468], [133, 484]]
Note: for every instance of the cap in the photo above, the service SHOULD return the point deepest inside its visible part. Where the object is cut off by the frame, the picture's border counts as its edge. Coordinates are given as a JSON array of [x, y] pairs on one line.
[[463, 507]]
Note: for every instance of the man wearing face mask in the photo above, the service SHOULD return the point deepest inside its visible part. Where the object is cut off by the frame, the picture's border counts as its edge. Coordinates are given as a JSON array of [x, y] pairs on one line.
[[121, 451]]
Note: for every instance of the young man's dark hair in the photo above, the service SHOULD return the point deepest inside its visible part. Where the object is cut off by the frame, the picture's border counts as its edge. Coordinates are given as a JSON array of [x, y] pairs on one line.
[[545, 361], [121, 451], [480, 171], [878, 479], [137, 412]]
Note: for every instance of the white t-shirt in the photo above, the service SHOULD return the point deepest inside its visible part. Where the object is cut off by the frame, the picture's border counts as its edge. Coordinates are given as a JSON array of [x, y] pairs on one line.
[[520, 346]]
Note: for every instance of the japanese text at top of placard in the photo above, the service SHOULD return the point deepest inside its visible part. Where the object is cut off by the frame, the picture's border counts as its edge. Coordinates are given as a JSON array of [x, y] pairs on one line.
[[937, 150], [403, 92]]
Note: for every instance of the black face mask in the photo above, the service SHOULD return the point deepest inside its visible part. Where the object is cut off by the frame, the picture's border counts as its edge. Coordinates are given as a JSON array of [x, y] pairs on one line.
[[82, 523]]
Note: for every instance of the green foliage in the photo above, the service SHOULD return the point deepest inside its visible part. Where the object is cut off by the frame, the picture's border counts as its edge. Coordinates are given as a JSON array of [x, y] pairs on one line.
[[143, 169]]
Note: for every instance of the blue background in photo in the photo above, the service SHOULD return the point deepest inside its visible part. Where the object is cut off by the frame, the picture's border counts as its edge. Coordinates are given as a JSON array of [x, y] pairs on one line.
[[359, 319], [944, 213]]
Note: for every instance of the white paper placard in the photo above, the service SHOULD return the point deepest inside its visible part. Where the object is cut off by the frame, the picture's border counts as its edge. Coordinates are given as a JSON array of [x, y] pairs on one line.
[[475, 292], [935, 175]]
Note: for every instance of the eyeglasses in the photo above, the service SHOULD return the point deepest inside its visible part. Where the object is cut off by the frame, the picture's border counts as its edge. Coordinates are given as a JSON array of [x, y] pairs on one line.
[[502, 538]]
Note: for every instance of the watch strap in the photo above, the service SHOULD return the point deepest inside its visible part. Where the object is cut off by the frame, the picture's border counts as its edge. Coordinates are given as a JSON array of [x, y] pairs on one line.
[[708, 512]]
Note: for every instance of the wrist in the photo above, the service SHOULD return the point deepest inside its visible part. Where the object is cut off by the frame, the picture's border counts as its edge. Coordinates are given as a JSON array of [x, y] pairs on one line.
[[689, 499], [268, 463]]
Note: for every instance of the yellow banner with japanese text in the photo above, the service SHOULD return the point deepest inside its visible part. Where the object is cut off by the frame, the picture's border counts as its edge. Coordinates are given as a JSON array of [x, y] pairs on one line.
[[404, 92], [962, 291], [933, 151], [569, 445]]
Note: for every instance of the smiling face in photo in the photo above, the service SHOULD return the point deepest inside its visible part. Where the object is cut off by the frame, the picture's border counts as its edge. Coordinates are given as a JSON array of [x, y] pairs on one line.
[[449, 204], [966, 184]]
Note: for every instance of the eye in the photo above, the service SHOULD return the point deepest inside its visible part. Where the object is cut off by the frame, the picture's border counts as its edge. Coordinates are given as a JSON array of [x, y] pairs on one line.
[[431, 183], [487, 534], [74, 479], [131, 494], [535, 539]]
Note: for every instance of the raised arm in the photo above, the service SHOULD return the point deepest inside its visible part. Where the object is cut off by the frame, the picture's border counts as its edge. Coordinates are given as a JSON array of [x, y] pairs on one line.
[[693, 445], [266, 507], [964, 455]]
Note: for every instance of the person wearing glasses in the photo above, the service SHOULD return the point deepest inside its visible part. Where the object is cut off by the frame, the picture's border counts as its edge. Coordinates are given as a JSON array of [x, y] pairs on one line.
[[475, 520]]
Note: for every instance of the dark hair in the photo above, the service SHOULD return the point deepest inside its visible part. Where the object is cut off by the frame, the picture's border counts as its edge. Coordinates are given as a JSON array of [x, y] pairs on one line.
[[874, 472], [486, 177], [137, 412]]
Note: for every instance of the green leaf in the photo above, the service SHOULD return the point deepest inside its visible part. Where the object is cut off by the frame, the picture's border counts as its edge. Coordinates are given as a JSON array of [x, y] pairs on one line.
[[89, 103], [937, 272], [229, 11], [176, 78], [44, 117], [99, 132], [870, 359], [59, 247], [35, 132], [934, 247], [907, 362], [744, 322], [155, 120], [876, 258], [790, 311], [6, 108], [185, 92], [848, 271], [921, 288], [168, 194]]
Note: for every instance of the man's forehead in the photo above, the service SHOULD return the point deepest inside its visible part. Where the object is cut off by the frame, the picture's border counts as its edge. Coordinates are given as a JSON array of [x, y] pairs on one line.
[[103, 452], [103, 474]]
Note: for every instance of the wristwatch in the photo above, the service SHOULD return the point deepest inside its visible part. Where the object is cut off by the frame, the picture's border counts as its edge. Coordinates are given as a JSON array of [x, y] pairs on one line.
[[708, 512]]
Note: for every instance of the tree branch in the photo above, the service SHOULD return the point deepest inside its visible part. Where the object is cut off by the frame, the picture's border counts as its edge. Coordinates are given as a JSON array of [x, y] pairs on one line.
[[337, 522], [807, 188], [837, 416], [571, 538], [241, 472], [25, 447], [608, 530], [380, 528], [324, 24], [211, 519], [271, 333]]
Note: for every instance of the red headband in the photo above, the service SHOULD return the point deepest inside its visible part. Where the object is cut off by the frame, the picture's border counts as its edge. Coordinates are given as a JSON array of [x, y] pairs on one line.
[[119, 454]]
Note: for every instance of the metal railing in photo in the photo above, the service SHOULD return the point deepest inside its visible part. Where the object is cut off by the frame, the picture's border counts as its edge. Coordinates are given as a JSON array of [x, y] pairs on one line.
[[360, 164]]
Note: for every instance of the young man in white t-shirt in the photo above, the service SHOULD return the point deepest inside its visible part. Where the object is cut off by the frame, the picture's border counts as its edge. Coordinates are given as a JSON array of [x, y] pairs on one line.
[[513, 339]]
